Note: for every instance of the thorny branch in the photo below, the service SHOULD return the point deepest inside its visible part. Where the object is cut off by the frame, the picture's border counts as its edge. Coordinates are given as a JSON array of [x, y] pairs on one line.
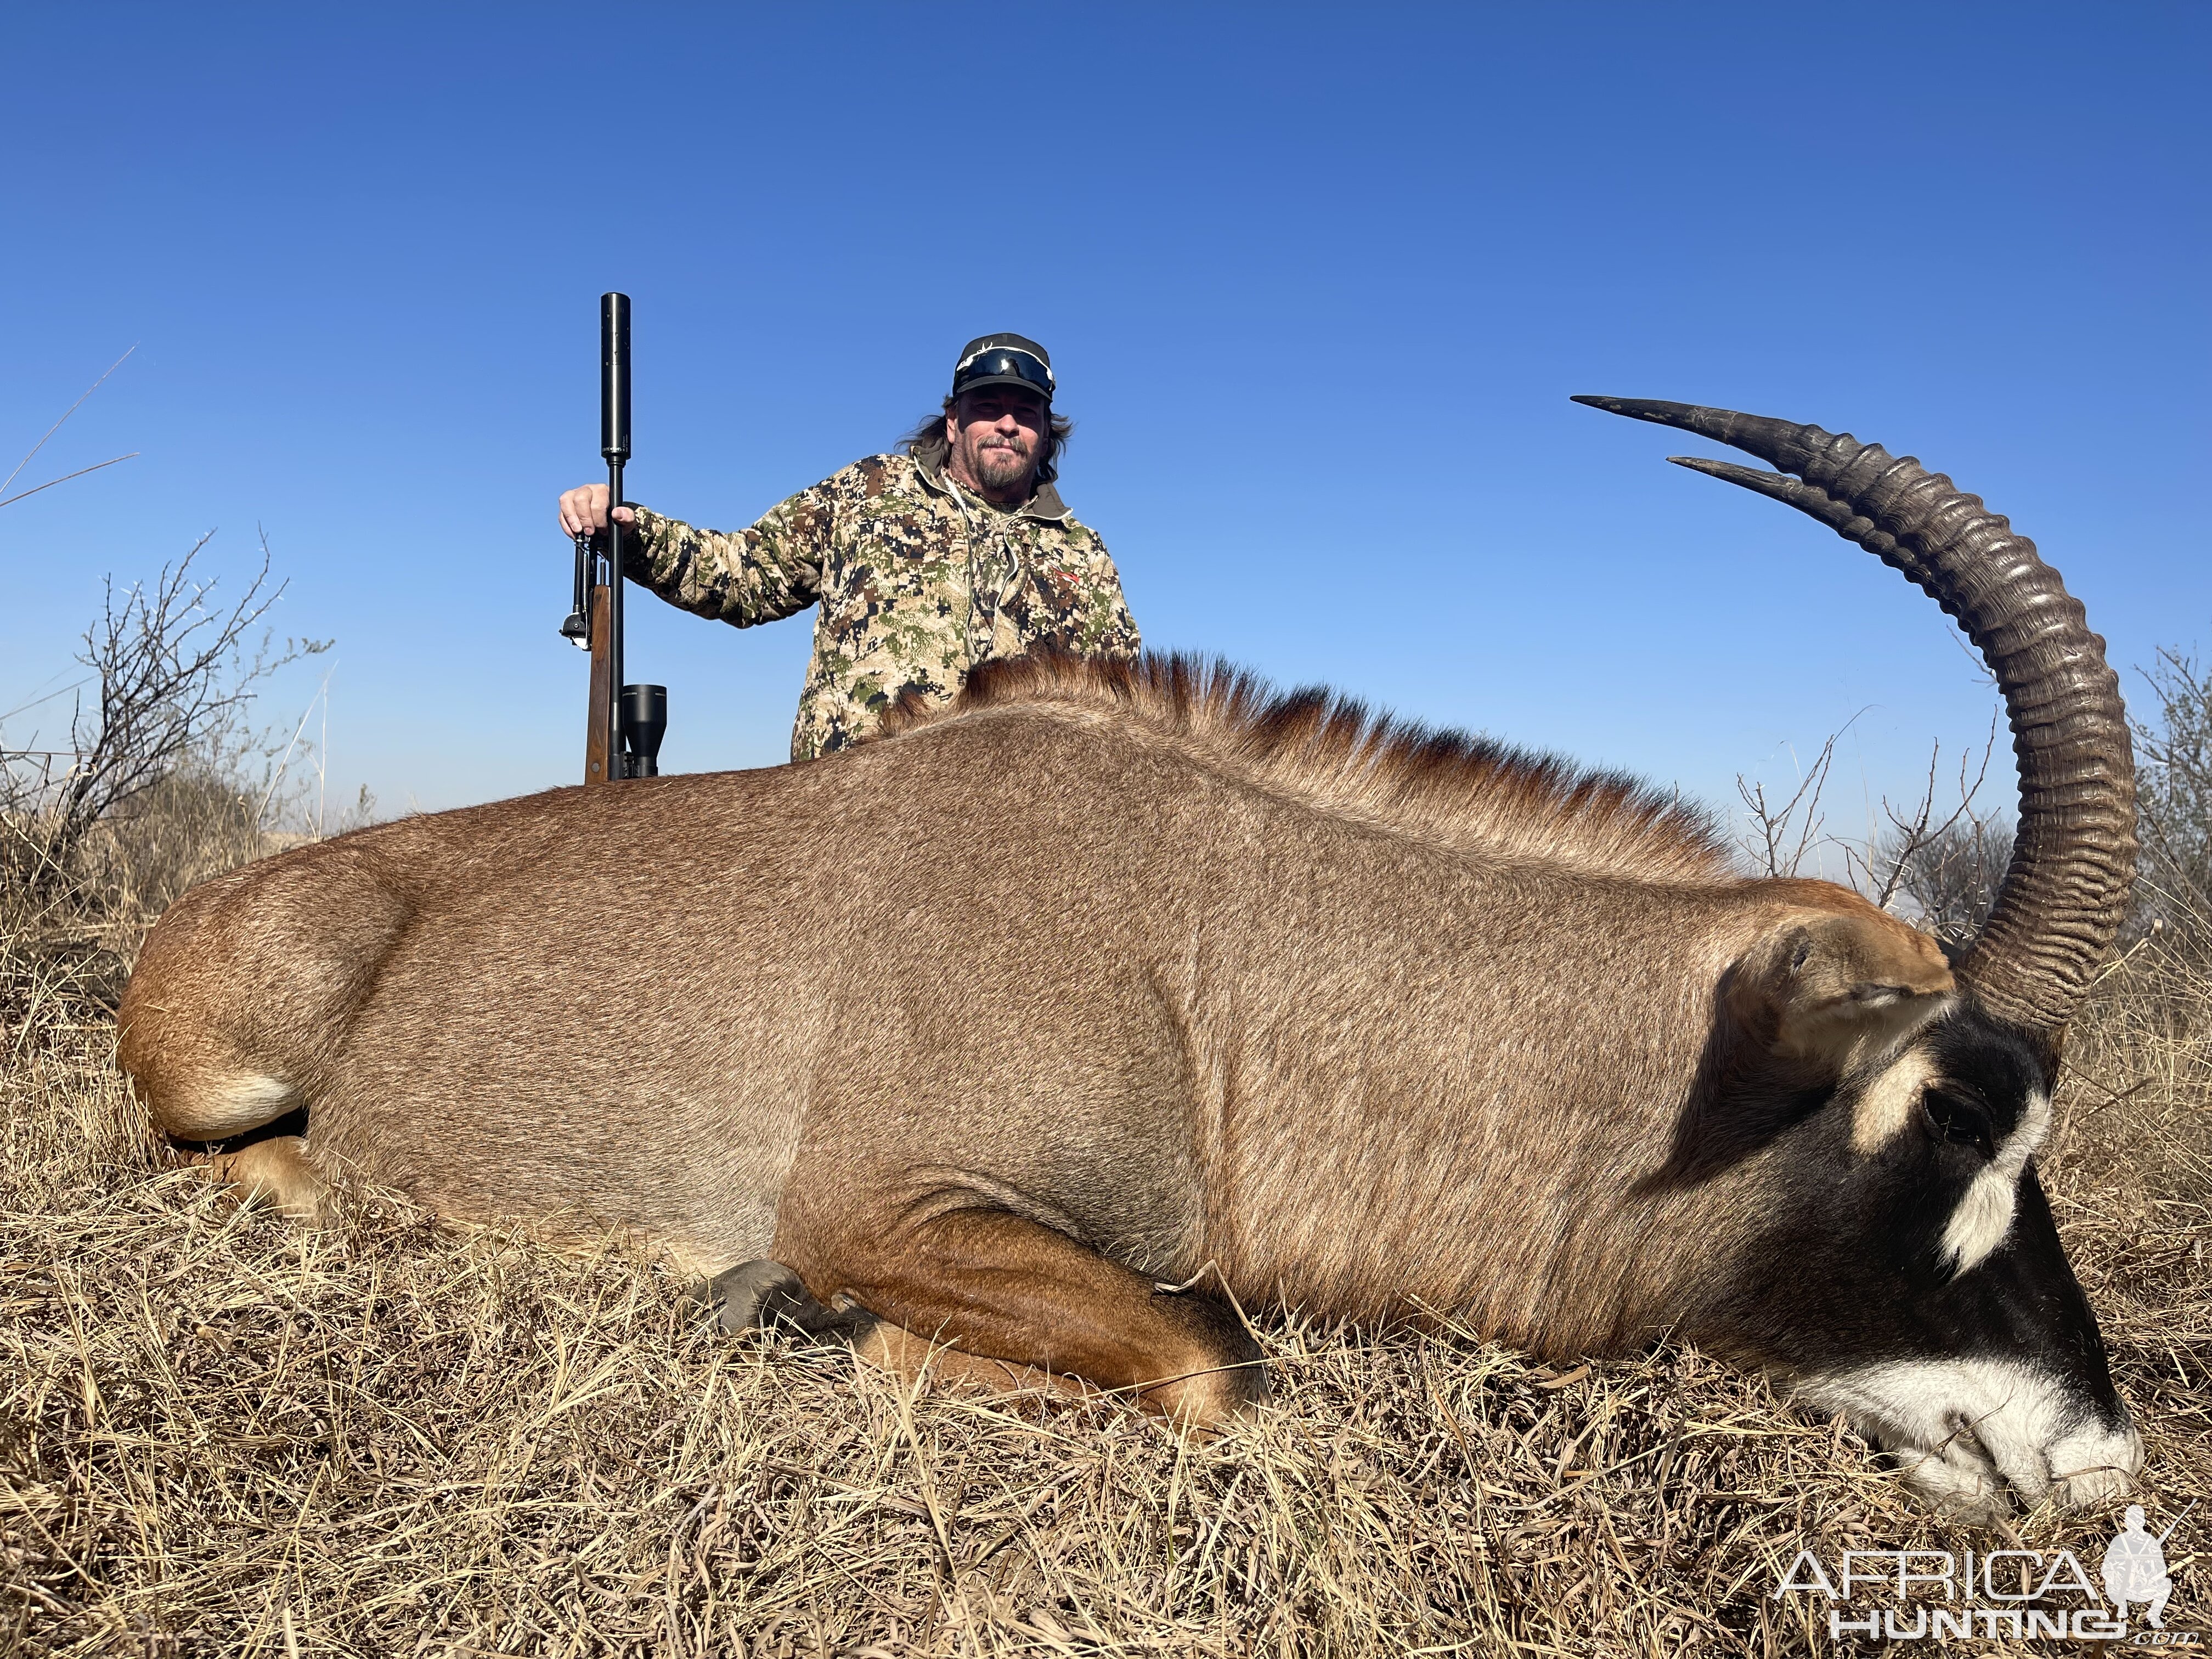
[[1948, 866], [2173, 798], [57, 427], [1782, 833], [175, 678]]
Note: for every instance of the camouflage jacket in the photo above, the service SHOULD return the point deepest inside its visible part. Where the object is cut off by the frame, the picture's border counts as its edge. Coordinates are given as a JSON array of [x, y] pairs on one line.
[[918, 580]]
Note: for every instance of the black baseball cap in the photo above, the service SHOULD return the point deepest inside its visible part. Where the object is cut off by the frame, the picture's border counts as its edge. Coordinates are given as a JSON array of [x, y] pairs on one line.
[[1003, 360]]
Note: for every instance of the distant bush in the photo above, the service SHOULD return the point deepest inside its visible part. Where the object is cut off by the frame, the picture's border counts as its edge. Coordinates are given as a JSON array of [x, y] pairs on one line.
[[2173, 794], [1949, 877], [177, 674], [166, 781], [1941, 861]]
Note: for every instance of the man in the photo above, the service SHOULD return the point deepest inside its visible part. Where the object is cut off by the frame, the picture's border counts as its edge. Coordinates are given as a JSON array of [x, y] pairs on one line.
[[923, 563]]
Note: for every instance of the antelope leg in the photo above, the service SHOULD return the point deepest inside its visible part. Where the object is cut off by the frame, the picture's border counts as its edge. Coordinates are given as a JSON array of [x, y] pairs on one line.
[[276, 1171], [1000, 1286]]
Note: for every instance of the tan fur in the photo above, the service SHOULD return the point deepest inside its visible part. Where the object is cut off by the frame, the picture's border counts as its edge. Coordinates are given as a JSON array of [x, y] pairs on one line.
[[1837, 983], [1099, 978], [900, 1351], [276, 1171], [1333, 754]]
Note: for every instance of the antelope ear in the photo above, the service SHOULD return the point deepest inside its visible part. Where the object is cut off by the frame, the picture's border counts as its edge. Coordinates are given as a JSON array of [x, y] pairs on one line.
[[1828, 985]]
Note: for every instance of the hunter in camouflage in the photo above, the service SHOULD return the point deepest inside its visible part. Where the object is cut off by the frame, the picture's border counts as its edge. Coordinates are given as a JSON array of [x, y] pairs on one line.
[[917, 580], [921, 564]]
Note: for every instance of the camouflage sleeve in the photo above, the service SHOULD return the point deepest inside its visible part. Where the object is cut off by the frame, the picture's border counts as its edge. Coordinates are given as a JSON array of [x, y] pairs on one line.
[[743, 576], [1109, 629]]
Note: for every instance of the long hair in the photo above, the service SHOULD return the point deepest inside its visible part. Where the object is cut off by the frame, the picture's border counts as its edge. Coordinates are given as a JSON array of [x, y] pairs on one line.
[[928, 443]]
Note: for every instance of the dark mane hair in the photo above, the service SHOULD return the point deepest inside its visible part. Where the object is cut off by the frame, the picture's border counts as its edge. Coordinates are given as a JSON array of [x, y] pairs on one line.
[[1448, 787], [928, 443]]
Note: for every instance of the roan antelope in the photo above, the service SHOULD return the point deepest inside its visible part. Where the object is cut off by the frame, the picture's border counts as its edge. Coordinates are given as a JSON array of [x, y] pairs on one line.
[[1103, 979]]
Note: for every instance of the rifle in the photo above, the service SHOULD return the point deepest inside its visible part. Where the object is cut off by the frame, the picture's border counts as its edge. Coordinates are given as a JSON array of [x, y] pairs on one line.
[[622, 735]]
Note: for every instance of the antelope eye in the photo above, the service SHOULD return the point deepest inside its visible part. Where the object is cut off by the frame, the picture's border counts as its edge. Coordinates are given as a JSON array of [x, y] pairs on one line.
[[1959, 1118]]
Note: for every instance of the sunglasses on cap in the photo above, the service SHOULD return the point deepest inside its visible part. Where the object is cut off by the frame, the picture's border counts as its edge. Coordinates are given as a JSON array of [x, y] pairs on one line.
[[1002, 363]]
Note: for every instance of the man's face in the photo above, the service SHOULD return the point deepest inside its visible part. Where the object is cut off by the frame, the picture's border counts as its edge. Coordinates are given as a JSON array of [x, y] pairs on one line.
[[997, 432]]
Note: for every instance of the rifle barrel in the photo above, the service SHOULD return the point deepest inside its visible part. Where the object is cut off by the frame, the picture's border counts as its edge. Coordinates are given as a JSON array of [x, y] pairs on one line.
[[614, 444]]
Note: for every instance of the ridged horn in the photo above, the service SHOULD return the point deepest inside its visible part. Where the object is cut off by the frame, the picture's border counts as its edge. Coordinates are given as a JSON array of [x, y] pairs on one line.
[[2074, 859]]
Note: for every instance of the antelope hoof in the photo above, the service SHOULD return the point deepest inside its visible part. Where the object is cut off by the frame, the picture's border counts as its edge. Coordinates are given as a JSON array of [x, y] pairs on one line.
[[752, 1295], [277, 1172], [1209, 1401], [1225, 1376], [759, 1295]]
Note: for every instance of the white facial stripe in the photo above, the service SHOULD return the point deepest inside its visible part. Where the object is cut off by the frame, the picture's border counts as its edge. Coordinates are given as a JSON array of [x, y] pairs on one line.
[[1971, 1434], [1985, 1214], [1888, 1102]]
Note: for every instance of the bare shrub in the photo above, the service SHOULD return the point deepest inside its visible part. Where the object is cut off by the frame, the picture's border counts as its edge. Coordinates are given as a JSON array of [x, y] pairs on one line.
[[1947, 877], [2173, 794], [1940, 858], [65, 947], [157, 790], [1781, 832], [176, 675]]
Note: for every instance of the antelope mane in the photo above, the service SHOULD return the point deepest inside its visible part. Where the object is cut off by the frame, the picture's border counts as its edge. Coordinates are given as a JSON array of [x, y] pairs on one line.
[[1450, 788]]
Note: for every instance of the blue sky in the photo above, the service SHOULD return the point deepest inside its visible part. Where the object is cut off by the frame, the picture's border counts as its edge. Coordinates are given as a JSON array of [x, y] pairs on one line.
[[1318, 281]]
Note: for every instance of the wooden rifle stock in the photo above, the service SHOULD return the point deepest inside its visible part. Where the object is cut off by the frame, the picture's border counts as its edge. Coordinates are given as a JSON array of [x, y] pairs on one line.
[[601, 742]]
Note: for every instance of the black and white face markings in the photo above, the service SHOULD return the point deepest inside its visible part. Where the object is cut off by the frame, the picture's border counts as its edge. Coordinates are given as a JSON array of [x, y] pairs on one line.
[[1910, 1275], [1955, 1117]]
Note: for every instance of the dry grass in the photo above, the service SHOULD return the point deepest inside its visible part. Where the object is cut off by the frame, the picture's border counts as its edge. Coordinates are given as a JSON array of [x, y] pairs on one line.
[[220, 1435]]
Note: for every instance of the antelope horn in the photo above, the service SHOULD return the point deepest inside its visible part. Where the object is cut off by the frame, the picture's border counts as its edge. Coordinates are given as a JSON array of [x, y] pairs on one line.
[[2074, 859]]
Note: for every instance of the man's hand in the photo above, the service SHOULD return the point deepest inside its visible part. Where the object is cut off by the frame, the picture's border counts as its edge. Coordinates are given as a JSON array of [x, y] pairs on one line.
[[585, 509]]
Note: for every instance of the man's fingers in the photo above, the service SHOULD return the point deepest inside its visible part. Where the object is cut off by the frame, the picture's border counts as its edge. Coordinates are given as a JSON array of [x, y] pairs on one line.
[[585, 508]]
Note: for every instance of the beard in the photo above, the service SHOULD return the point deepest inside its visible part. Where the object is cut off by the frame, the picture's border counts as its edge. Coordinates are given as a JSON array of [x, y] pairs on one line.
[[999, 465]]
